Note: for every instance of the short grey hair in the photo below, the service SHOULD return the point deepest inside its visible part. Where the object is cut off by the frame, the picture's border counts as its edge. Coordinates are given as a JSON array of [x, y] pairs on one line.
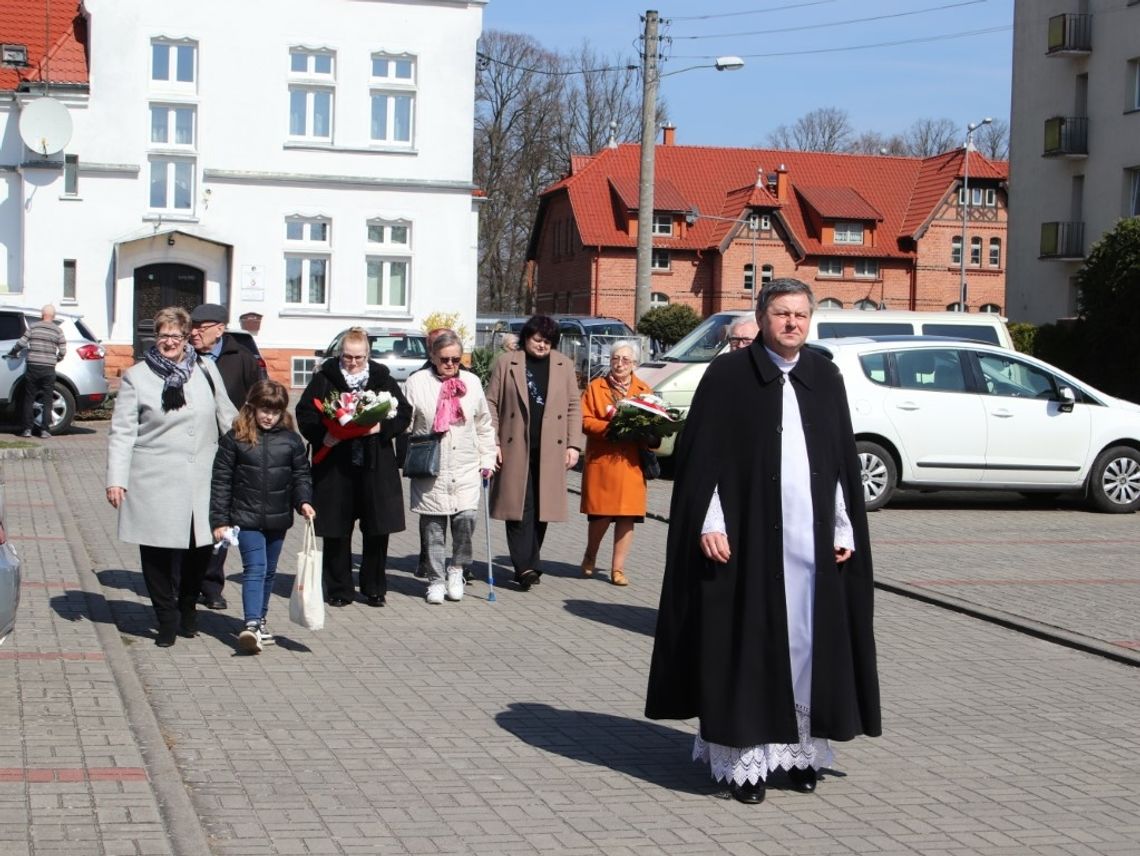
[[634, 347], [740, 322], [780, 287], [445, 340]]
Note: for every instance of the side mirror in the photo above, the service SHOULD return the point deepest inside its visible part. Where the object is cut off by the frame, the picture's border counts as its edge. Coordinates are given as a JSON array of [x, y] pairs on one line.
[[1068, 399], [318, 353]]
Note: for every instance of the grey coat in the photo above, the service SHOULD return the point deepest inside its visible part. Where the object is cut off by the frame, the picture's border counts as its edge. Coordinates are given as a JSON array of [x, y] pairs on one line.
[[165, 460]]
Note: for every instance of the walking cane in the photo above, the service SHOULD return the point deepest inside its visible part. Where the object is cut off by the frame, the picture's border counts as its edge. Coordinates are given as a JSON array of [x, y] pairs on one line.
[[487, 519]]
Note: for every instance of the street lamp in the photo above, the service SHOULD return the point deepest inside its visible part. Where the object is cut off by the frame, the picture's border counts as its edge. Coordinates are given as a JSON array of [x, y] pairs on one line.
[[650, 79], [973, 126], [753, 223]]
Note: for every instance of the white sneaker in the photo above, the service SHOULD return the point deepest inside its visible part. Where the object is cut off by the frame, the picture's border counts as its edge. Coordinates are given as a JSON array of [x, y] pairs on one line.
[[249, 640], [455, 583], [436, 592], [265, 635]]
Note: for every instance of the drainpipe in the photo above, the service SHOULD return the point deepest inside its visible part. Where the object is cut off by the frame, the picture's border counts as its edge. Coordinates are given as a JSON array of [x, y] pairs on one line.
[[595, 285], [913, 284]]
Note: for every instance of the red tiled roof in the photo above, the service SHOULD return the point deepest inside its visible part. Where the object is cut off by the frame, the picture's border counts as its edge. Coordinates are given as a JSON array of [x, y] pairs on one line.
[[898, 192], [666, 197], [62, 58]]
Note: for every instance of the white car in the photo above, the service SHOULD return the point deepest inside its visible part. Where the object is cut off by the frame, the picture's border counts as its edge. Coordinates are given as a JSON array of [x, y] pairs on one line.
[[939, 413]]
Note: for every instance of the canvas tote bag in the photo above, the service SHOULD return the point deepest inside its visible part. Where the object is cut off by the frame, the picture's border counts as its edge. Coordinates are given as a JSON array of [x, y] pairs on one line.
[[307, 603]]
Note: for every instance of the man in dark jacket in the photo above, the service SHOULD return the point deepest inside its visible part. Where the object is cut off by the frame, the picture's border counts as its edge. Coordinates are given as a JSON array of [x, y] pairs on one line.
[[765, 625], [46, 346], [239, 371]]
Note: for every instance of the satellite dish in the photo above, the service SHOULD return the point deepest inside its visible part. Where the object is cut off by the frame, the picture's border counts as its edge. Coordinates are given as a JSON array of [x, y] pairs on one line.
[[45, 126]]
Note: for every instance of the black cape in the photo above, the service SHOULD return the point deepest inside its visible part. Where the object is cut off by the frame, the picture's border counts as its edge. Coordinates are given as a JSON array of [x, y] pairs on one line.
[[721, 647]]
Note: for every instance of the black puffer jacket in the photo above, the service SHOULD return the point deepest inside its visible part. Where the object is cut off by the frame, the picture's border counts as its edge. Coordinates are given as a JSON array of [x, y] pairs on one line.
[[257, 487]]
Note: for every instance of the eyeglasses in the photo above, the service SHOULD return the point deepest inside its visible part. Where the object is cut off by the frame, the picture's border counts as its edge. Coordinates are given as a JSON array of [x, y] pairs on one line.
[[622, 360], [740, 340], [354, 358], [449, 361], [170, 337], [202, 325]]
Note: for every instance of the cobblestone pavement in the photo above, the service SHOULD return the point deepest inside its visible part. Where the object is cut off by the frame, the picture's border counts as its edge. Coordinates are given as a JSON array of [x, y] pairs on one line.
[[516, 727]]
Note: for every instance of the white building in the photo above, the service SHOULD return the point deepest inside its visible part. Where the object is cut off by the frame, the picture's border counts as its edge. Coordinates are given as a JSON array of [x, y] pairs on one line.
[[310, 162], [1074, 144]]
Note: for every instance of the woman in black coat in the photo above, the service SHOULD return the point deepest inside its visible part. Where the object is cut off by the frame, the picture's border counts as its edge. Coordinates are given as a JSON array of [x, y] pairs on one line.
[[358, 478]]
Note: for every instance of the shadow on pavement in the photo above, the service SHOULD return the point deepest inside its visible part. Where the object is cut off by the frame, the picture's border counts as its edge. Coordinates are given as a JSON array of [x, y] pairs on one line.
[[643, 750], [639, 619]]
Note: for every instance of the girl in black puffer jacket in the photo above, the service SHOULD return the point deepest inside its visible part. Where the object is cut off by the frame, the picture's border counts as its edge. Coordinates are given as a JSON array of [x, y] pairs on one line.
[[261, 473]]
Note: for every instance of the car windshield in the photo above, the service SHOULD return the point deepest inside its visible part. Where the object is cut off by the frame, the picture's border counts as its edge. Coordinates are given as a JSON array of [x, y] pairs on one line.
[[398, 346], [706, 340], [614, 329]]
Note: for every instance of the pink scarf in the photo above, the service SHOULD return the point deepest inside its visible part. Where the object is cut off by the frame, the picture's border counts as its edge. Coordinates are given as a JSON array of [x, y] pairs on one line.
[[449, 409]]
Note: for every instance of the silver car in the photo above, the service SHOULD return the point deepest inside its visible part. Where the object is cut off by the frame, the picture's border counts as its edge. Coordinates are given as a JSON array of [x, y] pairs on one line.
[[80, 380], [402, 351], [9, 582]]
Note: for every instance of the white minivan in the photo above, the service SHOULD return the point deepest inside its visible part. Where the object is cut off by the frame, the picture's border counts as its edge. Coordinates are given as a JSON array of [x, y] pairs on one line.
[[674, 376]]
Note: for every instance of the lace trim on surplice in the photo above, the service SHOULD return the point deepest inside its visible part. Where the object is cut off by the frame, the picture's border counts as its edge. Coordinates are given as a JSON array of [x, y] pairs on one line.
[[754, 763]]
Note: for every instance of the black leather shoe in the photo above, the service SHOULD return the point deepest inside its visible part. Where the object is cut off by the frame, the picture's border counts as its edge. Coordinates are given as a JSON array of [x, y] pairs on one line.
[[802, 780], [376, 600], [527, 579], [187, 632], [339, 601], [166, 637], [219, 603], [748, 793]]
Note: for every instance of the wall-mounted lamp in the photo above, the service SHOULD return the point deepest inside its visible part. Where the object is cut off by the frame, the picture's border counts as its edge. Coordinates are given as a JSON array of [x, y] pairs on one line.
[[170, 240]]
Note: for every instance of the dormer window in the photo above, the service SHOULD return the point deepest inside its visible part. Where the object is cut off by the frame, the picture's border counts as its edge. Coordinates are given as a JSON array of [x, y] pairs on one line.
[[663, 225], [849, 233]]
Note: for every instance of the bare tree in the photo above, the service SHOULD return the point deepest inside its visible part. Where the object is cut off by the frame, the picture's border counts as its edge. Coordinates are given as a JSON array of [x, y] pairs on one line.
[[826, 129], [874, 143], [992, 140], [928, 137], [602, 98]]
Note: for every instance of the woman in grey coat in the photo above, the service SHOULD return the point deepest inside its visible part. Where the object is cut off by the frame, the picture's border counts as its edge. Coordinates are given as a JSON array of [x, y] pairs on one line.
[[170, 411]]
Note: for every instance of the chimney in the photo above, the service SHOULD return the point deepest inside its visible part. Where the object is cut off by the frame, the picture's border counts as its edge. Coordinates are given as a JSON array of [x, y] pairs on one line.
[[782, 184], [670, 135], [759, 176]]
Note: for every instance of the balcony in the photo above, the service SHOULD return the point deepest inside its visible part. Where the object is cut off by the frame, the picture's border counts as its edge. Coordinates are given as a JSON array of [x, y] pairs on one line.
[[1070, 35], [1063, 241], [1066, 136]]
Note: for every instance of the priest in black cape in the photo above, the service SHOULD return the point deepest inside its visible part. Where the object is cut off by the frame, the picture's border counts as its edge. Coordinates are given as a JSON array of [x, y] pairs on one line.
[[765, 627]]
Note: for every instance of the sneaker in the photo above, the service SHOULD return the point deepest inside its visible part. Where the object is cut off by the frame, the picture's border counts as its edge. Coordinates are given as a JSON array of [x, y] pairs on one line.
[[455, 584], [436, 592], [27, 432], [249, 640], [265, 634], [468, 576]]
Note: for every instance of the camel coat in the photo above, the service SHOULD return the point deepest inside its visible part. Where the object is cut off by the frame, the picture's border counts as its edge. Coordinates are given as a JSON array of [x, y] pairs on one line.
[[613, 484], [561, 430]]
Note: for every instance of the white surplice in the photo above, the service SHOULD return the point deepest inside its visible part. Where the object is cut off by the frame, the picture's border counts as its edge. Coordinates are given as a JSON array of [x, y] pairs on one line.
[[753, 763]]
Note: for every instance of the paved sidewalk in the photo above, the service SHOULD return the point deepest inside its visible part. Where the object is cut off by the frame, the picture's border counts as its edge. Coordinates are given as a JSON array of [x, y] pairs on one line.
[[517, 728]]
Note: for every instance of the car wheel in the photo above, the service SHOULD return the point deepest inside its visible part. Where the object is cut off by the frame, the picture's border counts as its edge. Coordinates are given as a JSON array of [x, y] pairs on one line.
[[62, 409], [879, 474], [1114, 483]]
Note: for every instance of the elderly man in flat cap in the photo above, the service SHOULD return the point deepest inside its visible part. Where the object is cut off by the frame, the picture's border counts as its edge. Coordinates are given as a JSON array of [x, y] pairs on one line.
[[239, 371]]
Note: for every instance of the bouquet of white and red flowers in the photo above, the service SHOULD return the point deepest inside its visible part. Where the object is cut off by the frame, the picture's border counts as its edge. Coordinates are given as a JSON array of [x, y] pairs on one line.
[[348, 415], [644, 418]]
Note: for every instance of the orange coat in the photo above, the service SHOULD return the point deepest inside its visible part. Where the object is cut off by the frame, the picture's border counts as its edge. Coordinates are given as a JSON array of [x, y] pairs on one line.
[[612, 482]]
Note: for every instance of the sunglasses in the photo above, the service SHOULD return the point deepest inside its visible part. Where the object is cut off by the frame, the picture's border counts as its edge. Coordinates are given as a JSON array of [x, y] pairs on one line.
[[449, 361]]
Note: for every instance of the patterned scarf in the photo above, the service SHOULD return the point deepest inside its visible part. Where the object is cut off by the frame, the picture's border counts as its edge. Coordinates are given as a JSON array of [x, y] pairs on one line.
[[449, 409], [617, 389], [174, 375], [356, 382]]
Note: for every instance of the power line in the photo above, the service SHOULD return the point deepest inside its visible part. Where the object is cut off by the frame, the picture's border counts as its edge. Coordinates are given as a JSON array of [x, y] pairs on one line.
[[882, 17], [484, 59], [749, 11], [938, 38]]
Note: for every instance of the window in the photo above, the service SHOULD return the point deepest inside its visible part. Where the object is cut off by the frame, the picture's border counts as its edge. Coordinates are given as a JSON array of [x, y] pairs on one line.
[[992, 308], [11, 325], [874, 367], [749, 278], [663, 224], [660, 260], [302, 371], [979, 196], [393, 94], [314, 230], [1133, 207], [867, 268], [954, 307], [71, 175], [975, 252], [171, 184], [308, 241], [312, 81], [172, 125], [977, 332], [935, 370], [386, 282], [394, 233], [830, 267], [69, 279], [995, 252], [1005, 376], [956, 251], [765, 223], [765, 275], [866, 305], [658, 298], [991, 198], [830, 303], [1133, 102], [848, 233], [174, 63]]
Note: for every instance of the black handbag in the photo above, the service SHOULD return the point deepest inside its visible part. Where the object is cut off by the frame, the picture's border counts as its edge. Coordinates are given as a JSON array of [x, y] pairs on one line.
[[650, 466], [422, 461]]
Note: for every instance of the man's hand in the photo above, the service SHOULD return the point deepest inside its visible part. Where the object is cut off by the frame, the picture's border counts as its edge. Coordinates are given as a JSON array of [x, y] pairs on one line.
[[116, 495], [330, 440], [571, 458], [307, 511], [219, 533], [715, 547], [842, 554]]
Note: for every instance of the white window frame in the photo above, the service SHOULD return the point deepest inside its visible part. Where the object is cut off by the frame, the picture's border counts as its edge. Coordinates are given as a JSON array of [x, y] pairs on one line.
[[830, 303], [830, 262], [765, 223], [766, 274], [308, 243], [994, 244], [71, 176], [749, 277], [301, 371], [70, 277], [991, 197], [1133, 204], [170, 126], [172, 48], [388, 242], [848, 232], [871, 270], [306, 261], [663, 225], [309, 247], [392, 87], [170, 180], [310, 71], [385, 263], [657, 298], [660, 261], [956, 251], [975, 258], [990, 308], [310, 94]]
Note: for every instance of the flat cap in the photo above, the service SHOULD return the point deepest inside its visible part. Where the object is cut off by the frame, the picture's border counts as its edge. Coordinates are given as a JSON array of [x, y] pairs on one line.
[[209, 313]]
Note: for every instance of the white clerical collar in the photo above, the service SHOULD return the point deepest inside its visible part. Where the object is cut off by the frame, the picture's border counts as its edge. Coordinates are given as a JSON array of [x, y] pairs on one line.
[[782, 364]]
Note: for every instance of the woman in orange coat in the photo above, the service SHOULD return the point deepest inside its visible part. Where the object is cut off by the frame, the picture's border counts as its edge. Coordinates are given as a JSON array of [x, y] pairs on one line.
[[613, 486]]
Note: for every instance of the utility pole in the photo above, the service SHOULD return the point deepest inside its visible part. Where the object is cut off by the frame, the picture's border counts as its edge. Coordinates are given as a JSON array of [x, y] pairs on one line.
[[645, 189]]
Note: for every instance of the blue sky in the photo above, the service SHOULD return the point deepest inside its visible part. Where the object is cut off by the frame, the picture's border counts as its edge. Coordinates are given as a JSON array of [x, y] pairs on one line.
[[883, 88]]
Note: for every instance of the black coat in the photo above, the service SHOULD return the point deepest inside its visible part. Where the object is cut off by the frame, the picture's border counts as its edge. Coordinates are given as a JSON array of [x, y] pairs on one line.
[[258, 487], [721, 648], [344, 492], [239, 370]]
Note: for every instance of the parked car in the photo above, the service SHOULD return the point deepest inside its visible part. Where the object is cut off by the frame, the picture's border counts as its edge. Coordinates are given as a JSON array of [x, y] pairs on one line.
[[402, 351], [587, 340], [246, 340], [675, 375], [936, 413], [80, 380], [9, 580]]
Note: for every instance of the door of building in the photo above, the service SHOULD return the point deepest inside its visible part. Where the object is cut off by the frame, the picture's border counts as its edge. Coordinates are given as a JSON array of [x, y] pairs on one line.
[[158, 286]]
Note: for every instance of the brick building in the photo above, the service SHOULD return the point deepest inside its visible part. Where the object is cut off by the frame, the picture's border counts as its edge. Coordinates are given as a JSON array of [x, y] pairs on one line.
[[865, 231]]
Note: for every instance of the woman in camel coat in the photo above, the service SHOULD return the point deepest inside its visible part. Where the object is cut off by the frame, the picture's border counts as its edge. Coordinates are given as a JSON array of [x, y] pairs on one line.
[[533, 396], [613, 485]]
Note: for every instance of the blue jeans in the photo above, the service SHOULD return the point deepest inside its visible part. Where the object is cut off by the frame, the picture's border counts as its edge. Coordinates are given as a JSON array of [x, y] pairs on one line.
[[259, 554]]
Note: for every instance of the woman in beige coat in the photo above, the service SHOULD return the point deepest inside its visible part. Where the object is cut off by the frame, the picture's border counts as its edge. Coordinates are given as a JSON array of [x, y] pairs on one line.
[[533, 396]]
